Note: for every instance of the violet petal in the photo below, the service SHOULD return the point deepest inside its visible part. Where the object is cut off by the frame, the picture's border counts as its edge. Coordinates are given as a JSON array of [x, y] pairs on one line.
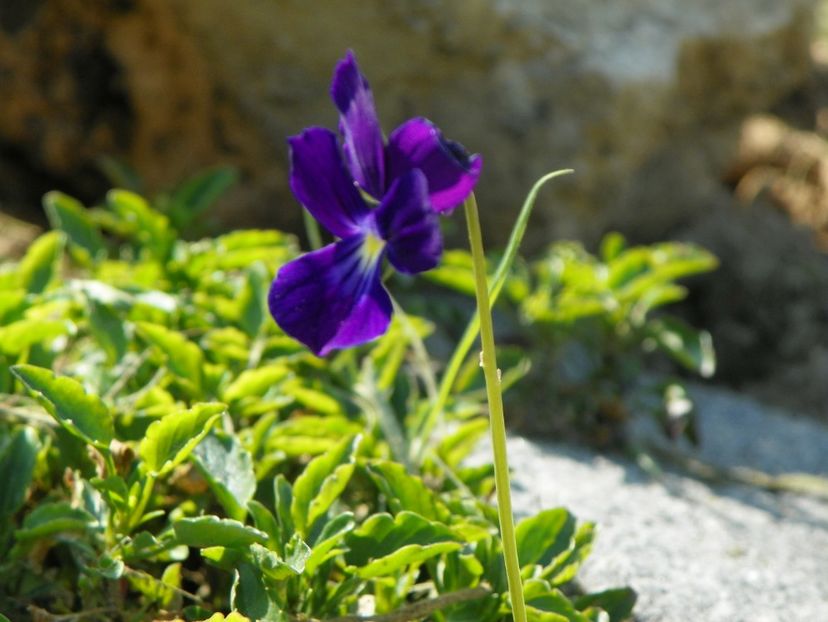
[[450, 171], [409, 226], [322, 184], [358, 122], [332, 297]]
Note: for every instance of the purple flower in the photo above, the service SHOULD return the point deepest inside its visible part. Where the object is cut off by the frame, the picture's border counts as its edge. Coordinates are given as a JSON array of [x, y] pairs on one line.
[[380, 201], [416, 144]]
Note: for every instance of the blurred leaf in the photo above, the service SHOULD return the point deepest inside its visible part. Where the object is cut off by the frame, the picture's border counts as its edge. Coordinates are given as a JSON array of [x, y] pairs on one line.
[[253, 311], [455, 447], [84, 415], [171, 439], [109, 330], [17, 463], [612, 246], [255, 382], [150, 228], [192, 198], [48, 519], [454, 272], [321, 483], [21, 335], [184, 357], [71, 217], [207, 531], [40, 264], [618, 603], [689, 347], [228, 469]]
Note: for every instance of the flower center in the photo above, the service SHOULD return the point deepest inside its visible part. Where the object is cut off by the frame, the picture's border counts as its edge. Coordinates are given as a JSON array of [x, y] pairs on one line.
[[372, 248]]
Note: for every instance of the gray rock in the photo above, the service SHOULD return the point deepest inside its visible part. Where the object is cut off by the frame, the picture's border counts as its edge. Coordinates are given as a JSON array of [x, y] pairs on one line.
[[724, 553]]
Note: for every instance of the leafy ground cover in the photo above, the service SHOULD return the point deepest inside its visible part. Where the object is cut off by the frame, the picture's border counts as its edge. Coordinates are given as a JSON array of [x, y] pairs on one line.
[[168, 452]]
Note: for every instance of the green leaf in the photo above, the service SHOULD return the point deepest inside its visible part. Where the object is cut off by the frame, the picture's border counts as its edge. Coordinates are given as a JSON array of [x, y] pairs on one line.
[[71, 217], [198, 193], [253, 312], [384, 544], [543, 599], [687, 346], [84, 415], [331, 541], [404, 491], [228, 469], [283, 502], [253, 598], [39, 266], [150, 228], [207, 531], [543, 537], [49, 519], [170, 440], [618, 603], [109, 330], [566, 565], [19, 336], [310, 434], [455, 447], [321, 483], [265, 521], [184, 357], [255, 382], [17, 463]]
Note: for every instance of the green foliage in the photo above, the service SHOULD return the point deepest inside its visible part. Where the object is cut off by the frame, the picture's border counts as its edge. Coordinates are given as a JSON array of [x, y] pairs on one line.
[[157, 428], [598, 319]]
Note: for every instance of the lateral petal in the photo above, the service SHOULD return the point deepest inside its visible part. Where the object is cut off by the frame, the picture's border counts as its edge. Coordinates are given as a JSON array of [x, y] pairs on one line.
[[332, 297], [358, 122], [451, 172], [409, 226], [322, 184]]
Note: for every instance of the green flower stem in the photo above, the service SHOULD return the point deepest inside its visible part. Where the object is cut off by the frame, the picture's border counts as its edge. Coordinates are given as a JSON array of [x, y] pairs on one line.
[[312, 230], [138, 512], [473, 327], [496, 420]]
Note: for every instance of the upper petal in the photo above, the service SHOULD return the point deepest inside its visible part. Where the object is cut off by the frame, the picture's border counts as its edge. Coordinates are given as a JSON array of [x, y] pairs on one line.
[[409, 226], [451, 172], [332, 297], [358, 122], [322, 184]]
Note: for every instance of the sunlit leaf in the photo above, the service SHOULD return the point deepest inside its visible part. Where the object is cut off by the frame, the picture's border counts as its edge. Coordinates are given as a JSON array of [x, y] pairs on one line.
[[83, 414], [321, 483], [228, 469], [39, 266], [170, 440], [204, 531]]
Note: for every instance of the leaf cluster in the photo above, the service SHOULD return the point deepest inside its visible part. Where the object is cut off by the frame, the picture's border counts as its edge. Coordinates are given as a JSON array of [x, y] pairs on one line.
[[166, 450]]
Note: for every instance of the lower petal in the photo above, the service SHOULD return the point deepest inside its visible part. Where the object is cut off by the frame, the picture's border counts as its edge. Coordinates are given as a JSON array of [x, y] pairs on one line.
[[331, 298], [450, 171]]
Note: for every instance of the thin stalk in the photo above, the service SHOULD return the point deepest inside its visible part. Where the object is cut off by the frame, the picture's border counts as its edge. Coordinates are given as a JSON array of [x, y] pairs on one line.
[[312, 230], [473, 327], [497, 423]]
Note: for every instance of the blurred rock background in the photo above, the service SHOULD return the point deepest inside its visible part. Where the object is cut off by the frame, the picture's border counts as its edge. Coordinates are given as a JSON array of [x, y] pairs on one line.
[[654, 103]]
